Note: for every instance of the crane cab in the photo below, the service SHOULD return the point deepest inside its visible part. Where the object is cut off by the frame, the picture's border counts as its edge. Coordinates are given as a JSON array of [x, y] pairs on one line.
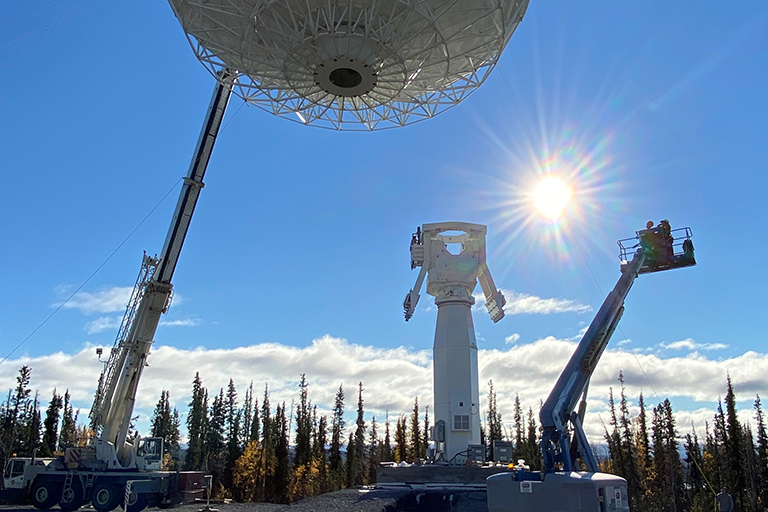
[[664, 249]]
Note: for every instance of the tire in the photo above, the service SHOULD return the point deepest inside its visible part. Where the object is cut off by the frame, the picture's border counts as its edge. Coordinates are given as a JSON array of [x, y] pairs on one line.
[[105, 497], [136, 502], [72, 498], [44, 494]]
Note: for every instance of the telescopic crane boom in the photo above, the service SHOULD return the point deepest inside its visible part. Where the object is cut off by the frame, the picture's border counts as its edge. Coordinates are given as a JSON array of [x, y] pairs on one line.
[[116, 396]]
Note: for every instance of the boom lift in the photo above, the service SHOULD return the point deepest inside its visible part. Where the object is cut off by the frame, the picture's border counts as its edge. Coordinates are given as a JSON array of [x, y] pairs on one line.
[[100, 473], [563, 485]]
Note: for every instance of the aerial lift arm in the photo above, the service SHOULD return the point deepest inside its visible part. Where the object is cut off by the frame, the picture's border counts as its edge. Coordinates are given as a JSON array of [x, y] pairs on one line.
[[115, 399], [559, 408]]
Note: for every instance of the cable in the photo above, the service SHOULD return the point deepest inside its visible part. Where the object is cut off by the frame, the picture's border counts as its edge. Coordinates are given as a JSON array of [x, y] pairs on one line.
[[514, 104], [90, 276], [50, 24], [576, 240], [233, 117], [38, 13]]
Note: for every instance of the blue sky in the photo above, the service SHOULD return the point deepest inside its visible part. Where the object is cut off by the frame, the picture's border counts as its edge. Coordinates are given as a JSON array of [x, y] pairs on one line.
[[648, 111]]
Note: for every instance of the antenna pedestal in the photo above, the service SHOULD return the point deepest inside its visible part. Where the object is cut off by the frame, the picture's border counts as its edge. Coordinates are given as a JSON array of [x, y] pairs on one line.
[[456, 391]]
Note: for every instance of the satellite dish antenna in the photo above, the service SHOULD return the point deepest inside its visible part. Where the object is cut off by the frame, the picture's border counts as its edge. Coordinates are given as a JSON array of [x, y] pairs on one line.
[[351, 64]]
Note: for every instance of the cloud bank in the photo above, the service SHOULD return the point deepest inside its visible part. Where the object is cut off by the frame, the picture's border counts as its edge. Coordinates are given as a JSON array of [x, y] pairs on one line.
[[392, 377], [526, 304]]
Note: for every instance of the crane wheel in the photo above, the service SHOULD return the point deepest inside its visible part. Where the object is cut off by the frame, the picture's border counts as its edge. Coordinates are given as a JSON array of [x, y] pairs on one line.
[[71, 498], [44, 494], [136, 502], [105, 497]]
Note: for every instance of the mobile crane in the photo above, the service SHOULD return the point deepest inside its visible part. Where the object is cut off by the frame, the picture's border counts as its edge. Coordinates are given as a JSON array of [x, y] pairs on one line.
[[563, 486], [114, 465]]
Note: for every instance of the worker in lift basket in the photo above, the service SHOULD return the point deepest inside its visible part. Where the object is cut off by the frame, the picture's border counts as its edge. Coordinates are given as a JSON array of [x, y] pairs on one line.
[[650, 241], [665, 233], [724, 501]]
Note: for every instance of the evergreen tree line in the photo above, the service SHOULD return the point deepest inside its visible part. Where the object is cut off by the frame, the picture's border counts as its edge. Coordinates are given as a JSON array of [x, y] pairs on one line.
[[246, 445], [23, 430], [646, 451]]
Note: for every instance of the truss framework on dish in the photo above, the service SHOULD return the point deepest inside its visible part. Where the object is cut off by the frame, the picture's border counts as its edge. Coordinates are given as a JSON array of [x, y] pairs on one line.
[[351, 64]]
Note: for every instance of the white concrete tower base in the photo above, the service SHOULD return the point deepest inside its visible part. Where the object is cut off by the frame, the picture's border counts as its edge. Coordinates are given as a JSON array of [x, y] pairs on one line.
[[457, 396], [451, 279]]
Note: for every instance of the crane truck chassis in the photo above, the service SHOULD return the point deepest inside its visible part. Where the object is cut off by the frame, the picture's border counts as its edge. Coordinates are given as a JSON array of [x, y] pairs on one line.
[[563, 486]]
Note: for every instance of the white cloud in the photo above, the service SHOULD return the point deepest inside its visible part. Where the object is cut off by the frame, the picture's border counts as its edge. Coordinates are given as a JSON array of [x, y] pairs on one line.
[[525, 304], [690, 344], [184, 322], [392, 377], [512, 338], [110, 300], [101, 324], [105, 301]]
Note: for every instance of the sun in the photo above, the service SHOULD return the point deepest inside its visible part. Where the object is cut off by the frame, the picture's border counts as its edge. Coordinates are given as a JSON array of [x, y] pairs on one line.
[[551, 196]]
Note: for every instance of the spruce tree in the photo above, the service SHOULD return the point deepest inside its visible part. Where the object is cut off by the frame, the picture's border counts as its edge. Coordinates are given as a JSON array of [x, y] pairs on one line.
[[374, 452], [360, 451], [215, 439], [695, 483], [401, 440], [425, 435], [233, 420], [630, 468], [762, 453], [266, 462], [247, 416], [232, 431], [749, 465], [51, 425], [613, 438], [349, 481], [643, 450], [303, 448], [734, 449], [67, 433], [415, 433], [517, 416], [337, 427], [16, 413], [494, 421], [31, 427], [320, 456], [282, 470], [386, 455], [196, 421], [165, 423]]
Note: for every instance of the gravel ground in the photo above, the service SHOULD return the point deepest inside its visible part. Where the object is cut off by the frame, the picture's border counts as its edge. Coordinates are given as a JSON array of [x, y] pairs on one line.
[[347, 500]]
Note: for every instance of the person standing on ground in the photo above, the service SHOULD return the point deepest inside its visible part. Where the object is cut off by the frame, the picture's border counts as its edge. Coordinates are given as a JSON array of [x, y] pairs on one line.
[[724, 501]]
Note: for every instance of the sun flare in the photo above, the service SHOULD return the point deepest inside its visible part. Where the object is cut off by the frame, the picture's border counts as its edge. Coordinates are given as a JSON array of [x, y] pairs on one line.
[[551, 196]]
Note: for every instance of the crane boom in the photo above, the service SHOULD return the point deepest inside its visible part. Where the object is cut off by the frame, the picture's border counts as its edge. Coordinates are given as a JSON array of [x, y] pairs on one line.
[[150, 300]]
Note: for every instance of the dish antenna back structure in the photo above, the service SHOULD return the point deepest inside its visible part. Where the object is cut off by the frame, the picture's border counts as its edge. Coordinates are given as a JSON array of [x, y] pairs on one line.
[[351, 64]]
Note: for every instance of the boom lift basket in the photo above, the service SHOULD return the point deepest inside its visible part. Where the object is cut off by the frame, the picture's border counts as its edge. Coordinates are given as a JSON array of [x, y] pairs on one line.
[[661, 252]]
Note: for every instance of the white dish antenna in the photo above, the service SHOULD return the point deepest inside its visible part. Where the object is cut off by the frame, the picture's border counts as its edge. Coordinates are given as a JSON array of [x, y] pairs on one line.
[[351, 64]]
